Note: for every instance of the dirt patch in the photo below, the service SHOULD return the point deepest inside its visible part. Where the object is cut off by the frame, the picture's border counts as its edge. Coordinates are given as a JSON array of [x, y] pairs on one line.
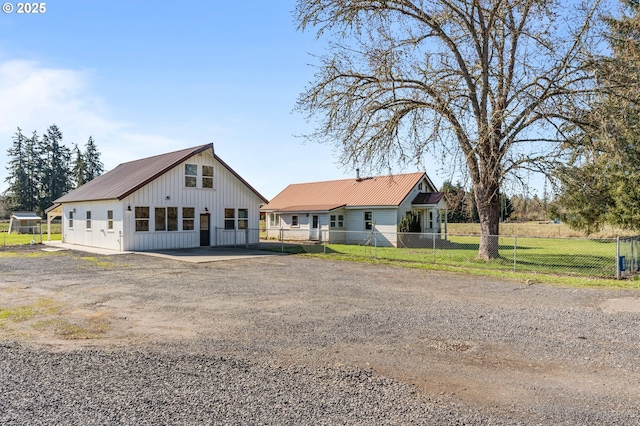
[[626, 304]]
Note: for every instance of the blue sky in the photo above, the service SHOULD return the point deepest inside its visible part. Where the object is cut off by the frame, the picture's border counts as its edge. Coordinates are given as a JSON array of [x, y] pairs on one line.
[[148, 77]]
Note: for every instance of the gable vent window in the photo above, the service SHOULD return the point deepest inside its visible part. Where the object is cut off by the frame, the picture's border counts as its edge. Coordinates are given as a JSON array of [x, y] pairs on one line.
[[190, 175]]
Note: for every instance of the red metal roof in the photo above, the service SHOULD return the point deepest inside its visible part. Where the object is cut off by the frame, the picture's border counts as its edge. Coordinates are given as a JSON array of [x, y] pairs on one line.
[[388, 190], [129, 177]]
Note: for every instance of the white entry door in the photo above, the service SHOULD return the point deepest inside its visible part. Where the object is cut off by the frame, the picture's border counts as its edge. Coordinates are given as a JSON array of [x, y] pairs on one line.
[[314, 233]]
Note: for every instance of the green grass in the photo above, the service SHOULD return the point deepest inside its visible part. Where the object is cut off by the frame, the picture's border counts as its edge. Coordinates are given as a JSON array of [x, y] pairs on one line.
[[588, 262], [14, 239]]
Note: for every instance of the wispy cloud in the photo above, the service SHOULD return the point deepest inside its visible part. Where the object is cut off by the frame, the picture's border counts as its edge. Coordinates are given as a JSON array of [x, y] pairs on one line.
[[35, 96]]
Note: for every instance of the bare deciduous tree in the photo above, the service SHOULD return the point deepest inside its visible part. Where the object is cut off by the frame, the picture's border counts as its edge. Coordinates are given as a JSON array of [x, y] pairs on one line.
[[492, 79]]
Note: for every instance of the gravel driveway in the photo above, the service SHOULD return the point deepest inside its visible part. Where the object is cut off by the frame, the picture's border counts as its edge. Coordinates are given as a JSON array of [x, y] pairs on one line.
[[133, 339]]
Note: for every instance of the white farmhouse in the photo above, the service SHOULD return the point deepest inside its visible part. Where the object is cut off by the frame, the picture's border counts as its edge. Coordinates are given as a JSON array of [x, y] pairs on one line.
[[349, 210], [186, 198]]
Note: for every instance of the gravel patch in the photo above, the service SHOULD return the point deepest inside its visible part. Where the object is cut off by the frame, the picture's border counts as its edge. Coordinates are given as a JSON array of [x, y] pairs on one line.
[[298, 340]]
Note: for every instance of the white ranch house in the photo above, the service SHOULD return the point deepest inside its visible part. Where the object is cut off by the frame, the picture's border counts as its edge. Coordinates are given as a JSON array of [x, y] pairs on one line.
[[186, 198], [349, 210]]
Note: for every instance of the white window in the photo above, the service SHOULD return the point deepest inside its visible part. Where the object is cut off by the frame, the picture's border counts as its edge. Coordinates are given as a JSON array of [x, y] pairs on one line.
[[368, 220], [243, 218], [71, 220], [142, 219], [110, 219], [88, 219], [229, 219], [207, 176], [166, 218], [275, 220], [188, 218], [190, 175], [294, 220]]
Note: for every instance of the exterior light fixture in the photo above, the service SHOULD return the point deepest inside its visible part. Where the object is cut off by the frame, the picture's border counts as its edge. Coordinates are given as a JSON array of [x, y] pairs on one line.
[[128, 208]]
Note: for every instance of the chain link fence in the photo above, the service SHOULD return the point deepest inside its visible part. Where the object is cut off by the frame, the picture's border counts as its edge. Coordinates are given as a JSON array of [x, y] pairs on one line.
[[628, 249], [588, 257]]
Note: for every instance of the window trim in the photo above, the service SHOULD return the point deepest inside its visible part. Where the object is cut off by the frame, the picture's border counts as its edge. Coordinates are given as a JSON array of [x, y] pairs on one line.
[[296, 219], [207, 178], [109, 220], [88, 220], [191, 219], [70, 219], [368, 223], [141, 219], [229, 219], [188, 176]]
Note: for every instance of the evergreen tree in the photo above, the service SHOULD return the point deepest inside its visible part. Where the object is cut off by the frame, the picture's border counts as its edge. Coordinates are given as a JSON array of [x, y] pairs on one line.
[[55, 174], [79, 169], [600, 184], [20, 194], [94, 166]]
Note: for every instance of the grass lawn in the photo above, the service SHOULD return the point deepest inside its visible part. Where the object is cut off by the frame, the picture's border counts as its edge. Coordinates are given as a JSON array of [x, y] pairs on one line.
[[13, 239], [558, 258]]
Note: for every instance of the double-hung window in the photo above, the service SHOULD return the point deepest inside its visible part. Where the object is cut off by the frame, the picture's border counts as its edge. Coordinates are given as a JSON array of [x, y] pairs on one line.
[[88, 219], [142, 219], [71, 219], [229, 219], [188, 217], [243, 218], [110, 220], [190, 175], [207, 176], [368, 220]]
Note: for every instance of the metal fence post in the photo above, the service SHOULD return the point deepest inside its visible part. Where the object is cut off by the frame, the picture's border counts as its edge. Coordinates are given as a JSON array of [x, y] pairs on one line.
[[433, 237], [281, 240], [324, 242], [618, 258], [375, 243], [246, 238], [515, 257]]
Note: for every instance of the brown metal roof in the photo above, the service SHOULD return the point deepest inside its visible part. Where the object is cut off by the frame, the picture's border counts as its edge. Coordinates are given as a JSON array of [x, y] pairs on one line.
[[129, 177], [428, 198], [373, 191]]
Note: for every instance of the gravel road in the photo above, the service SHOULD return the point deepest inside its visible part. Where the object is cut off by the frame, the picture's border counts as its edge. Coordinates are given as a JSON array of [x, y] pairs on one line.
[[132, 339]]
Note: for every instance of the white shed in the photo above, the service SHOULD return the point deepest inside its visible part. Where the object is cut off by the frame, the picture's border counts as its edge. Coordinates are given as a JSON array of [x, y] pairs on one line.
[[24, 222], [186, 198]]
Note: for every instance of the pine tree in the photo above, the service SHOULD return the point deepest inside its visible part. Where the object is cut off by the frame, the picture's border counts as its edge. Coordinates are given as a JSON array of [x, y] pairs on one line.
[[600, 184], [79, 168], [55, 174], [93, 165], [20, 193]]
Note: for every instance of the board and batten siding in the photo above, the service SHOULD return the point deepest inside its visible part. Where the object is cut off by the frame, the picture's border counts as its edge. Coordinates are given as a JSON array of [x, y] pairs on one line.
[[168, 190], [98, 235]]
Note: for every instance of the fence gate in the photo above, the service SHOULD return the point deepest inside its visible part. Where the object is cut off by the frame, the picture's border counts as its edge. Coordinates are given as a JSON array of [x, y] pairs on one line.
[[628, 248]]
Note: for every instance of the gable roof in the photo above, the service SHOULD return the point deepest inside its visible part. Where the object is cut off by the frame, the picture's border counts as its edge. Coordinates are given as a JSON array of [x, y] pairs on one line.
[[25, 216], [127, 178], [388, 190]]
